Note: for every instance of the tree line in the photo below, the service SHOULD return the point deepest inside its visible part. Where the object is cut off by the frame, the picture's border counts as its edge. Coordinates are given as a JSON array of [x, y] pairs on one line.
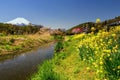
[[10, 29]]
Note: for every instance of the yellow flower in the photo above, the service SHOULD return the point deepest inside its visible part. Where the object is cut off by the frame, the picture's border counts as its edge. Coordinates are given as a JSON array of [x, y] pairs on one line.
[[114, 35], [92, 32], [101, 71], [102, 44], [84, 59], [109, 42], [66, 38], [98, 20], [97, 48], [101, 62], [107, 51], [100, 31], [96, 52], [110, 59], [93, 29], [115, 50], [108, 55], [101, 40], [97, 79], [119, 67], [96, 65], [116, 46], [97, 71], [88, 68]]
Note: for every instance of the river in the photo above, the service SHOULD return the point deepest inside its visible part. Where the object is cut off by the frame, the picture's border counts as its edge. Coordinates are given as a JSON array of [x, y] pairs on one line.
[[20, 67]]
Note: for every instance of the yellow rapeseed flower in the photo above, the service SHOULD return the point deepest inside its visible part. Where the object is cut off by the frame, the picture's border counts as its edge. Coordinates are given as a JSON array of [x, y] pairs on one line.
[[108, 55], [115, 50], [88, 68], [116, 46], [107, 51], [93, 28], [97, 48], [101, 62], [114, 35], [92, 32], [119, 67], [110, 59], [101, 40], [97, 71], [97, 79], [96, 65]]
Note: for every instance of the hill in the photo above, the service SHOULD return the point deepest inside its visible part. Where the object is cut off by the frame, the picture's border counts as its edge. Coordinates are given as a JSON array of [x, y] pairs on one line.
[[86, 27]]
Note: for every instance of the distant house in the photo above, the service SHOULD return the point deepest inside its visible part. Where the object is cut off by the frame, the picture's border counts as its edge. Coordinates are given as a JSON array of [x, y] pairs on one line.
[[77, 30], [114, 23], [85, 30]]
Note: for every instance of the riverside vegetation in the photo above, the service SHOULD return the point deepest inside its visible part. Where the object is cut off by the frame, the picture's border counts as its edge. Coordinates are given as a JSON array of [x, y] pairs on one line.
[[92, 56], [18, 43], [16, 39]]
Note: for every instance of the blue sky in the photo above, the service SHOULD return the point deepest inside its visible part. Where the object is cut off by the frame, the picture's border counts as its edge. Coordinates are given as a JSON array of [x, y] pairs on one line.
[[59, 13]]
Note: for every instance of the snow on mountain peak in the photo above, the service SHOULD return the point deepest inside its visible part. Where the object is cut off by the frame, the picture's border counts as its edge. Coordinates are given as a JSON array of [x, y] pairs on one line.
[[19, 21]]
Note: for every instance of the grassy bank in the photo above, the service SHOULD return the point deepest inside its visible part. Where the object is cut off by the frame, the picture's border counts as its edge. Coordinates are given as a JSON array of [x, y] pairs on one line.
[[18, 43], [84, 57]]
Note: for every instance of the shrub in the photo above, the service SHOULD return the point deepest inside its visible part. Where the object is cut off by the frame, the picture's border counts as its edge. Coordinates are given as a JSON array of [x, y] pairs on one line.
[[59, 37], [2, 34], [112, 66], [12, 40], [59, 46], [5, 42], [17, 48], [86, 53], [7, 47]]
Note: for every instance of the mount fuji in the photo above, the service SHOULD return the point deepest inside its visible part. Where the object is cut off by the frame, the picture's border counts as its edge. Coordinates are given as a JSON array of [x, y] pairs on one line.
[[19, 21]]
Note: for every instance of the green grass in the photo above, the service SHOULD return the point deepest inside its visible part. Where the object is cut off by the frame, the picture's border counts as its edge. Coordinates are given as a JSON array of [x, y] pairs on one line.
[[66, 64], [17, 43], [85, 57], [46, 73]]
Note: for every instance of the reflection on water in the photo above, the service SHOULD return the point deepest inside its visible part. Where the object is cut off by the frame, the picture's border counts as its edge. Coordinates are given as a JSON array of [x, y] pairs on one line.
[[22, 66]]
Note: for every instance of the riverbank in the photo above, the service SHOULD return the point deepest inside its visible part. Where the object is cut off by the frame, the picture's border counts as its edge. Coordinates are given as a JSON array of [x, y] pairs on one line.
[[15, 44], [84, 57], [21, 66]]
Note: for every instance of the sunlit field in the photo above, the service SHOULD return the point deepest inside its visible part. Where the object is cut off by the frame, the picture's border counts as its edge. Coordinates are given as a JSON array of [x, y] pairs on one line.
[[17, 43], [93, 56]]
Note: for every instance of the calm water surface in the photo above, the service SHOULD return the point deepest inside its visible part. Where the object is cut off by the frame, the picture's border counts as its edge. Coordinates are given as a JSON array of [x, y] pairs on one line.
[[22, 66]]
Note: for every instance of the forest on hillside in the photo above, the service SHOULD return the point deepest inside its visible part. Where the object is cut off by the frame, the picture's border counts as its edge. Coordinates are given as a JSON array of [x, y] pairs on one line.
[[88, 27], [9, 29]]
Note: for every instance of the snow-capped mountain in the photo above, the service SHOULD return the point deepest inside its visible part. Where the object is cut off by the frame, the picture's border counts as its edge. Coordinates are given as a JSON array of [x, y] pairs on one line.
[[19, 21]]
